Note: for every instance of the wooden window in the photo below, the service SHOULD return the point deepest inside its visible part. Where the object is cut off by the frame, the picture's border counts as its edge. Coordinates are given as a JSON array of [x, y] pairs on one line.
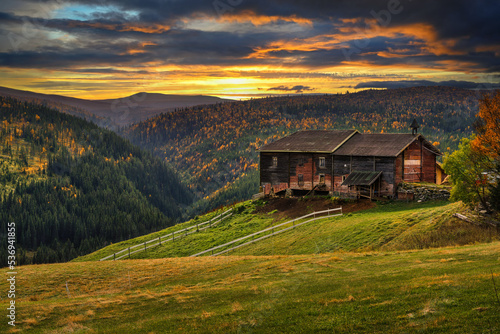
[[343, 178], [301, 162], [322, 162], [275, 161], [300, 178], [321, 178]]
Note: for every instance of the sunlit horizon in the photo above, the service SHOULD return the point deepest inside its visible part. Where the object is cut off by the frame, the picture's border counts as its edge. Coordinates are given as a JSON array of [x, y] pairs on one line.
[[113, 48]]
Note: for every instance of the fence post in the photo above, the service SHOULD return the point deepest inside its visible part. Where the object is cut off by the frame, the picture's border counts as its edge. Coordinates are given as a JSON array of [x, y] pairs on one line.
[[114, 256], [197, 228], [129, 252], [159, 239], [173, 236], [67, 290], [144, 245]]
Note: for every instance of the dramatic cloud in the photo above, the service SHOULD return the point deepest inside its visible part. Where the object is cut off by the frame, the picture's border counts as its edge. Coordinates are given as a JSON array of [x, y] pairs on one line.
[[416, 83], [297, 89], [236, 47]]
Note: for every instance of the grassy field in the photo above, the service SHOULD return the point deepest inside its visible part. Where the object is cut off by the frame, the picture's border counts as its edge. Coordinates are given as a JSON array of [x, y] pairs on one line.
[[393, 226], [393, 268], [446, 290]]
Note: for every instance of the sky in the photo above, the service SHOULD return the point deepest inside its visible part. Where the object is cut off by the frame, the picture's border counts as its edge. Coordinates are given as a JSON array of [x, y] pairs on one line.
[[239, 49]]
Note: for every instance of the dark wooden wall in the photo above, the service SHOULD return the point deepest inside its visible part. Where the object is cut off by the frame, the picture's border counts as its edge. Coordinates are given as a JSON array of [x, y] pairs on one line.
[[273, 175], [415, 164], [289, 168], [326, 171], [399, 169], [419, 163], [344, 165], [306, 170], [428, 166]]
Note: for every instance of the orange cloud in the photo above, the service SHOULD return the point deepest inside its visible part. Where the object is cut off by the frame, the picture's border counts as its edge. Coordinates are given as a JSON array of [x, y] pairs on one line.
[[140, 48], [145, 28], [260, 20], [424, 35]]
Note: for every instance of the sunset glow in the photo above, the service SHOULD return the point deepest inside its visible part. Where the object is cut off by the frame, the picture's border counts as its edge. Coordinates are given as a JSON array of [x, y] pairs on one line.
[[99, 49]]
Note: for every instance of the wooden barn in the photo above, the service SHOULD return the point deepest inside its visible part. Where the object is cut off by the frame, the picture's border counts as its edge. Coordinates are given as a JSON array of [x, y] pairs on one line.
[[346, 161]]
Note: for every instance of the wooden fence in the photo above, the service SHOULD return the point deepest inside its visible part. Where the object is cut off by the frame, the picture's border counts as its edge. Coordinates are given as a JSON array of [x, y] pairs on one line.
[[272, 231], [169, 237]]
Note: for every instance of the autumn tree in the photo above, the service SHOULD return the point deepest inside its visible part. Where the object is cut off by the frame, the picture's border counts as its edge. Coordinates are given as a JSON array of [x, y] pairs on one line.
[[467, 167], [487, 140]]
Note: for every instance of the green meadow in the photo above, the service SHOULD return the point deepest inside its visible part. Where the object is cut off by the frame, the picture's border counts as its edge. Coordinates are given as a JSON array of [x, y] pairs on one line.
[[445, 290], [392, 226], [393, 268]]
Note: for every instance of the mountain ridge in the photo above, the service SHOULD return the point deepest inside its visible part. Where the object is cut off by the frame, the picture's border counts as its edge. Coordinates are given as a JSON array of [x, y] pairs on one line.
[[119, 112]]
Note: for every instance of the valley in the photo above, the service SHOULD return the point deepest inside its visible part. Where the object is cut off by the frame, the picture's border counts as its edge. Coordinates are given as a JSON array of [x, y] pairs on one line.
[[80, 193]]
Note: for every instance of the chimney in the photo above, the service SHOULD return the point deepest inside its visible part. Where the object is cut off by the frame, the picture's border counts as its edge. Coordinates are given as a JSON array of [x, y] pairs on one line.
[[414, 127]]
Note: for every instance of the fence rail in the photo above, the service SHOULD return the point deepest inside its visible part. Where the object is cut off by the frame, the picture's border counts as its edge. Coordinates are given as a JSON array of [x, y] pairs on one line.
[[169, 237], [273, 232]]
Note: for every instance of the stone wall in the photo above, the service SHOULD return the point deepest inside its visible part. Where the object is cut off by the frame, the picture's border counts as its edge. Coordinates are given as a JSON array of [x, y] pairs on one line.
[[422, 193]]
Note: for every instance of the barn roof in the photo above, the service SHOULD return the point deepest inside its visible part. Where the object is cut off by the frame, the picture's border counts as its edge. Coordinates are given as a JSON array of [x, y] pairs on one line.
[[360, 178], [381, 145], [321, 141]]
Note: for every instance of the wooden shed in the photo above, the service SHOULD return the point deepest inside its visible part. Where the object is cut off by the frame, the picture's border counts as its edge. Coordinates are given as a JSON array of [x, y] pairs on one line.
[[346, 161]]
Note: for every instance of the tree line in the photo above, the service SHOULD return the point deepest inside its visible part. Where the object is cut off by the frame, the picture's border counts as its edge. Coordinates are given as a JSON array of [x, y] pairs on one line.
[[72, 187]]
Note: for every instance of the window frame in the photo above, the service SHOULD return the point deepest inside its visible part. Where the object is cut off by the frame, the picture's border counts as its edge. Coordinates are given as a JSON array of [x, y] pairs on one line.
[[322, 162]]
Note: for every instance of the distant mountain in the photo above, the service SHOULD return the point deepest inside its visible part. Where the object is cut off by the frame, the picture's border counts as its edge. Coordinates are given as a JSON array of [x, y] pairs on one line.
[[72, 187], [113, 113]]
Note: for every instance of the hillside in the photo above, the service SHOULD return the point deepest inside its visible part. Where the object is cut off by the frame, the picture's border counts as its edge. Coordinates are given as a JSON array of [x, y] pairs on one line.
[[446, 290], [72, 187], [214, 147], [363, 227], [114, 113]]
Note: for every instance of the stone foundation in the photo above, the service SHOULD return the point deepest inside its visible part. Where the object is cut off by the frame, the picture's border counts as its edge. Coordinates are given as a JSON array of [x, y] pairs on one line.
[[422, 193]]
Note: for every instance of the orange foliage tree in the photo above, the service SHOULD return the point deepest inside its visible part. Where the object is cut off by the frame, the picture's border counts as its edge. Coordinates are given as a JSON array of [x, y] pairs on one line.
[[488, 128], [487, 142]]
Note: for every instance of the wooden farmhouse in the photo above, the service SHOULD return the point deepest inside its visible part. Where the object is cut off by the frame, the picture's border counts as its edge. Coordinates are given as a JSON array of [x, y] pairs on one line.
[[346, 162]]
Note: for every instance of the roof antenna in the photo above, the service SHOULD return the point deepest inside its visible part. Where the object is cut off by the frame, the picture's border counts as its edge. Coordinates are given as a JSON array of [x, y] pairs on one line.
[[414, 127]]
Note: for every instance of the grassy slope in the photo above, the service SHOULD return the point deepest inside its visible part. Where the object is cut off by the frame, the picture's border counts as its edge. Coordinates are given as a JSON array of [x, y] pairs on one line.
[[242, 223], [448, 290], [390, 226], [395, 226]]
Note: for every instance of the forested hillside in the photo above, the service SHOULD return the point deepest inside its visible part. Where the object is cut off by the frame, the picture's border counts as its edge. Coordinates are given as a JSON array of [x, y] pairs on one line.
[[71, 187], [214, 147]]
